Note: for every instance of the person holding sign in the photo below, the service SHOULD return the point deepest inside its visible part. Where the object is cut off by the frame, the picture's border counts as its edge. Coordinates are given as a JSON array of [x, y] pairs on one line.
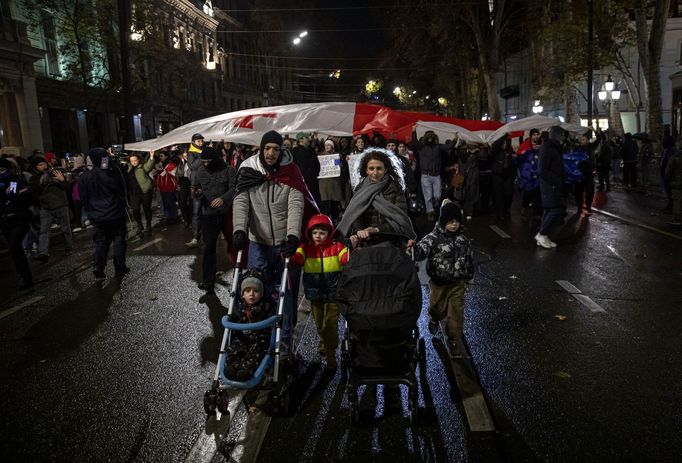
[[331, 187]]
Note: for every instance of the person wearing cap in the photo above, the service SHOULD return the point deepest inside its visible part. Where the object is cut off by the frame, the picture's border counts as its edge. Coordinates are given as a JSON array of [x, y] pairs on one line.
[[306, 160], [193, 163], [450, 266], [50, 186], [213, 185], [15, 217], [272, 203], [102, 193]]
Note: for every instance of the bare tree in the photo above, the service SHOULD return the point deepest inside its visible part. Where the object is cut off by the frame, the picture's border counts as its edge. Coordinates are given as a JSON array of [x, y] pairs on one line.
[[649, 46]]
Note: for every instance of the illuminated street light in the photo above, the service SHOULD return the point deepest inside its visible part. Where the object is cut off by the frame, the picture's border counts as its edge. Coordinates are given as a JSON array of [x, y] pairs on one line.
[[303, 34], [609, 85], [297, 40], [537, 107]]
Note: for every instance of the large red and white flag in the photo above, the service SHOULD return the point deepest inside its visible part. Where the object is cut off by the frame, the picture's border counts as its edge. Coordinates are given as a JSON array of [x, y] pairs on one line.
[[332, 119]]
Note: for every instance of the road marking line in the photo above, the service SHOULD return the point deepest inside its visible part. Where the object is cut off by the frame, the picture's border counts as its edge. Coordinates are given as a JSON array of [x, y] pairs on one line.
[[499, 231], [18, 307], [589, 303], [251, 439], [568, 287], [638, 224], [146, 245], [206, 446]]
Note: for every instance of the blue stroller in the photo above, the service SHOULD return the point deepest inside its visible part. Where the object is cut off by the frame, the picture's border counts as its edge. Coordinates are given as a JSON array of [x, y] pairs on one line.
[[272, 372]]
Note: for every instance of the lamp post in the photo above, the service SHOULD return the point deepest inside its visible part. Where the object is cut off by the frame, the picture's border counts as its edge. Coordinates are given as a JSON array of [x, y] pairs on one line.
[[537, 107], [609, 96]]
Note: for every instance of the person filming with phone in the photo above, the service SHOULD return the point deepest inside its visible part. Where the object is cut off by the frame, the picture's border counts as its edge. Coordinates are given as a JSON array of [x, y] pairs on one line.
[[102, 192], [15, 217]]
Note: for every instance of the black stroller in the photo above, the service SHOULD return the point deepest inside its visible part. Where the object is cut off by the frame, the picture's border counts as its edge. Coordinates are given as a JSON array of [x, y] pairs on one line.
[[380, 297], [272, 373]]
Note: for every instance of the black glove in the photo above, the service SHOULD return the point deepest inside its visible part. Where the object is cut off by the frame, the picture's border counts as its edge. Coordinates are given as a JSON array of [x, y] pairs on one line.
[[289, 246], [239, 240]]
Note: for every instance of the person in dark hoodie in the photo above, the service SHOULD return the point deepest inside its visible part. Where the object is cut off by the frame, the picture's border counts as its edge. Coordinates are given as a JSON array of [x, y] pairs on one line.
[[102, 192], [306, 160], [552, 186], [430, 156], [214, 184], [15, 217]]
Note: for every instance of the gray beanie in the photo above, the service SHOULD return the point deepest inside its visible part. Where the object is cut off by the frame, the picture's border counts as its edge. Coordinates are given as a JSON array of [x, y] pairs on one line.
[[252, 282]]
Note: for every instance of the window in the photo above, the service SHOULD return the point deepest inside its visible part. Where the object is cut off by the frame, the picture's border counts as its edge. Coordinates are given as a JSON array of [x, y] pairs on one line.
[[52, 52]]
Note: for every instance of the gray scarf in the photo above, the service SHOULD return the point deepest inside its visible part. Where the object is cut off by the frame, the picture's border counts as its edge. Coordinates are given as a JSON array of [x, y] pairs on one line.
[[369, 195]]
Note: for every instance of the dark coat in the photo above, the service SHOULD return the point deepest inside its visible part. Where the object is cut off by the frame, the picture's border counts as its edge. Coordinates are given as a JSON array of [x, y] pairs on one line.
[[51, 192], [552, 175], [219, 182], [14, 206], [307, 162], [429, 156], [102, 193], [449, 256]]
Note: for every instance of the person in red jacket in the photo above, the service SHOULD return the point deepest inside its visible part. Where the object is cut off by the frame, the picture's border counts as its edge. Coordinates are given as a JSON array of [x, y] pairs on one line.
[[322, 259], [167, 183]]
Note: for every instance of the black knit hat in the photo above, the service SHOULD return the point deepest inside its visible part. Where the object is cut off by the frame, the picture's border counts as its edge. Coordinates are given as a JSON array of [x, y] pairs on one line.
[[35, 160], [270, 137], [449, 211], [209, 153], [197, 136]]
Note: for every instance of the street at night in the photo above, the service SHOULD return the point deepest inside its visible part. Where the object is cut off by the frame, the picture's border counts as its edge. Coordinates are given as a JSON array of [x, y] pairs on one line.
[[116, 371], [277, 231]]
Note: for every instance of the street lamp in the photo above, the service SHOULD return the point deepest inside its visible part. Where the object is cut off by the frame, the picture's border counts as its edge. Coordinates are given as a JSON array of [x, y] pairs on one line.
[[296, 40], [609, 97], [537, 108]]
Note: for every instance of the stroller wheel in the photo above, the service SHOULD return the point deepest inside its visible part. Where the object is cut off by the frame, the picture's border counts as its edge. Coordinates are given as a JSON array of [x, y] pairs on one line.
[[223, 402], [210, 399]]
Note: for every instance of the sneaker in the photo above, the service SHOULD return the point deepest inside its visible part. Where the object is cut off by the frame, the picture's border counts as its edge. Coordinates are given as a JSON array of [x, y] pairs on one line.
[[193, 243], [433, 327], [545, 242], [77, 229], [87, 222], [42, 258], [99, 274]]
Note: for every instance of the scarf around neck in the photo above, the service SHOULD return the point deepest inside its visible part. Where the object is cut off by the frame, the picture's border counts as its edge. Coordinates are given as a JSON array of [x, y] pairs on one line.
[[370, 195]]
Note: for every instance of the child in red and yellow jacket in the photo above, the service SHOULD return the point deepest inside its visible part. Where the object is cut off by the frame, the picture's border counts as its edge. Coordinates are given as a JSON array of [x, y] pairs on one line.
[[322, 259]]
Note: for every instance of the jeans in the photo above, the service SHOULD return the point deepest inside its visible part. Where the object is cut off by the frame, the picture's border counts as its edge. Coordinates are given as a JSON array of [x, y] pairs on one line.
[[551, 216], [170, 207], [431, 190], [585, 187], [59, 216], [185, 200], [141, 201], [211, 226], [107, 233], [196, 218], [267, 259], [14, 235]]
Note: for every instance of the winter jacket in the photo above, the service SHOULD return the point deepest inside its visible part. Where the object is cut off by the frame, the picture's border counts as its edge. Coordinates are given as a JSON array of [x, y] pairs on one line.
[[15, 205], [271, 211], [247, 348], [102, 194], [551, 175], [216, 183], [528, 170], [449, 256], [307, 161], [321, 265], [141, 173], [166, 181], [193, 161], [430, 156], [673, 172], [51, 192], [371, 218], [629, 150]]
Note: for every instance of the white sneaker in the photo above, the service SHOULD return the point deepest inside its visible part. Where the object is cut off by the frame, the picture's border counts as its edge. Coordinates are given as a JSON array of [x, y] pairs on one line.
[[193, 243], [77, 229], [545, 242]]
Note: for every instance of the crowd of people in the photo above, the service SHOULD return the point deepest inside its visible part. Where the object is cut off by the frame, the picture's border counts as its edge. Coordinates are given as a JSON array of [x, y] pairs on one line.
[[269, 202]]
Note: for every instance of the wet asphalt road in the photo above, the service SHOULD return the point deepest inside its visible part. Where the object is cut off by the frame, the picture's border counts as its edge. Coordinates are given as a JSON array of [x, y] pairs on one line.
[[116, 371]]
